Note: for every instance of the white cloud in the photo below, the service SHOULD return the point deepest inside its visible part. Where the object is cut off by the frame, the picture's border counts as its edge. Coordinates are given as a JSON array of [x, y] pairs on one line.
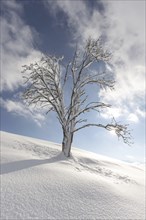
[[132, 117], [80, 20], [16, 45], [126, 28], [127, 38], [19, 108], [12, 5], [16, 50], [123, 111], [129, 89], [123, 24], [140, 113], [113, 112]]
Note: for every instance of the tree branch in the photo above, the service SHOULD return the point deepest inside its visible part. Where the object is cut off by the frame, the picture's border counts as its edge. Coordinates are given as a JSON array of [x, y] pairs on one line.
[[120, 130], [88, 108]]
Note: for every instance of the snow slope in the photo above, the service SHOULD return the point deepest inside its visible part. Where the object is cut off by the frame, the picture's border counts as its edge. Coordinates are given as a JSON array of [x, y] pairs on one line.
[[38, 182]]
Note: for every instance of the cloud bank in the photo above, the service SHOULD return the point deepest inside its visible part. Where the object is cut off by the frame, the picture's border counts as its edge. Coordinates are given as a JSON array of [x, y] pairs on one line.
[[16, 45], [17, 107], [122, 25], [17, 49]]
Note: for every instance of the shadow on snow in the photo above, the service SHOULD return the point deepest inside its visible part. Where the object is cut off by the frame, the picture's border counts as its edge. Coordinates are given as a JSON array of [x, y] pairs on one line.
[[24, 164]]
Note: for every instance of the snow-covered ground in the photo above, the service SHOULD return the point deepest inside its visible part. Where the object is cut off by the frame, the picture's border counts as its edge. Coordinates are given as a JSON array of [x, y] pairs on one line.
[[38, 182]]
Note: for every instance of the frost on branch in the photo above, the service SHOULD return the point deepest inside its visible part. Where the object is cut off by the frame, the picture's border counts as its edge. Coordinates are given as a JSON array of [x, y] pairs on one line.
[[46, 86]]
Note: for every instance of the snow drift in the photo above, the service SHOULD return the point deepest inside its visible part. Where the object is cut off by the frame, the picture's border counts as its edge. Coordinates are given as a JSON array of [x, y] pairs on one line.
[[38, 182]]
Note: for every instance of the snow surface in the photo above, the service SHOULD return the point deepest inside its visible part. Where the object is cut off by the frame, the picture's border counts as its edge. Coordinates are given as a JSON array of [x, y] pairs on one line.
[[38, 182]]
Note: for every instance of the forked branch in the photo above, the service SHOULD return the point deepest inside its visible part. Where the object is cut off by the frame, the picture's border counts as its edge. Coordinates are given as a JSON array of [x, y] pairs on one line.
[[120, 130]]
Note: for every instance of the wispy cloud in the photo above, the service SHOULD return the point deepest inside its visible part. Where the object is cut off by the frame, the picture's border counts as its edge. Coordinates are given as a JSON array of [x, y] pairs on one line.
[[16, 45], [133, 117], [81, 21], [17, 107], [123, 26], [121, 23], [126, 36]]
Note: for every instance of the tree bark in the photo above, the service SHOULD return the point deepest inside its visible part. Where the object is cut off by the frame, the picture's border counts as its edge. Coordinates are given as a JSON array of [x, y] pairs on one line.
[[66, 143]]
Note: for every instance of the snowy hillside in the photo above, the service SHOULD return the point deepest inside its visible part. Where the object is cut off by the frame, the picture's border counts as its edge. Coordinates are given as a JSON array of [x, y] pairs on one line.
[[38, 182]]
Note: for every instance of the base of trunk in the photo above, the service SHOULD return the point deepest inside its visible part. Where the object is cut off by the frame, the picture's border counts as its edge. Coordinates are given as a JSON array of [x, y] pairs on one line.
[[66, 145], [66, 150], [66, 153]]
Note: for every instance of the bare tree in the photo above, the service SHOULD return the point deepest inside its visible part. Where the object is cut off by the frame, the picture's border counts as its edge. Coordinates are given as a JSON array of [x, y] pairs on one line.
[[46, 85]]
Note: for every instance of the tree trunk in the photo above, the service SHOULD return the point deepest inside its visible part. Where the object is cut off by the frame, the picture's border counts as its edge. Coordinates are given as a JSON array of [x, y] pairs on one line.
[[66, 143]]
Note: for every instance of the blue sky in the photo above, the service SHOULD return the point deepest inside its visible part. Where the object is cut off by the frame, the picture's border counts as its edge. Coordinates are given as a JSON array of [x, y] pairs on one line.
[[32, 28]]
